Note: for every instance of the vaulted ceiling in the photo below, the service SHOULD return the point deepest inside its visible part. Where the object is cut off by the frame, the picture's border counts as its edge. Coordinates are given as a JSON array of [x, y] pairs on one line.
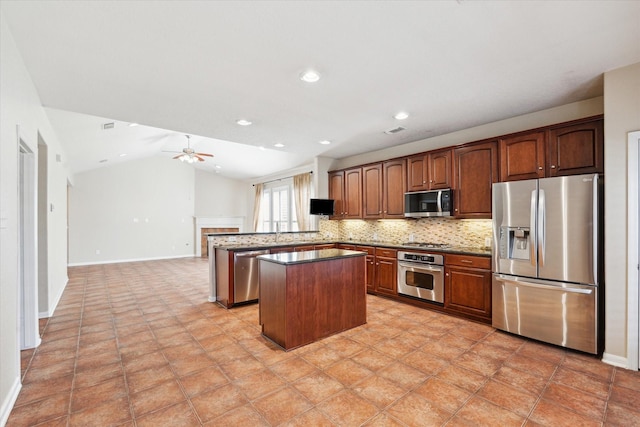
[[197, 67]]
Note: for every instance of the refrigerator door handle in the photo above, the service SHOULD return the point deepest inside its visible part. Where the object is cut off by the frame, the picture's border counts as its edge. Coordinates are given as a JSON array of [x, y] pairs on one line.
[[566, 288], [532, 228], [541, 228], [595, 220]]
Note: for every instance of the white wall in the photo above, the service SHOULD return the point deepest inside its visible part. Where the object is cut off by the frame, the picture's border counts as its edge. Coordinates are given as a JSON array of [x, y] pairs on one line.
[[622, 115], [138, 210], [217, 196], [20, 105]]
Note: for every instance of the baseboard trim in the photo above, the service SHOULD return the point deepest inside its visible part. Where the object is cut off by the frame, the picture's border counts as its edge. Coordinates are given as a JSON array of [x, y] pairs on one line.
[[612, 359], [117, 261], [9, 401]]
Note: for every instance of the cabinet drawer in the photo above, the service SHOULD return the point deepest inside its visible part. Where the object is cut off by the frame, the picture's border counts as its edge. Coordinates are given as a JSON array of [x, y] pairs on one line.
[[371, 250], [387, 253], [346, 246], [468, 261]]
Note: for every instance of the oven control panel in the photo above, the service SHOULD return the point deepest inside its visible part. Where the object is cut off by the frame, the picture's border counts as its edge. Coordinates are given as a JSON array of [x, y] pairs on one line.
[[421, 258]]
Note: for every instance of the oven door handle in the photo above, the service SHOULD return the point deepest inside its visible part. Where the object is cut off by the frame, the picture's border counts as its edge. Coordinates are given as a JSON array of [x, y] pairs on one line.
[[421, 267]]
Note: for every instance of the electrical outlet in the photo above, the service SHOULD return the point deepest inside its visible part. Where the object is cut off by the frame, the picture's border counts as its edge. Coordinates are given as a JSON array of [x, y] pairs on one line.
[[233, 239], [487, 242]]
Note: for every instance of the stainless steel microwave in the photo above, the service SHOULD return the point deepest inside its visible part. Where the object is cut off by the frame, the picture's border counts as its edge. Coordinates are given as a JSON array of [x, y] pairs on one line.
[[428, 203]]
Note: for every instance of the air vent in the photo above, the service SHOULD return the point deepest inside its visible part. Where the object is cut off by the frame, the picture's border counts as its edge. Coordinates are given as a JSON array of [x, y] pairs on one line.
[[107, 126], [394, 130]]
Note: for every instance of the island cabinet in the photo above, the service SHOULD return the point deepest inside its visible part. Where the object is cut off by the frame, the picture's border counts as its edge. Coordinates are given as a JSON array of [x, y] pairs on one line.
[[475, 170], [345, 188], [383, 188], [576, 148], [386, 271], [306, 296], [429, 171], [468, 286]]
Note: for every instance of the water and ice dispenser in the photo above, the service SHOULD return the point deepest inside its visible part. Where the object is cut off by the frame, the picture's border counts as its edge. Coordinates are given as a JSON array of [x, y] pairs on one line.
[[514, 243]]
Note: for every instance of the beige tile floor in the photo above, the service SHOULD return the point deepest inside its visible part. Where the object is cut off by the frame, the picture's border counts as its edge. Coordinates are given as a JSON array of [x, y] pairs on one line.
[[137, 344]]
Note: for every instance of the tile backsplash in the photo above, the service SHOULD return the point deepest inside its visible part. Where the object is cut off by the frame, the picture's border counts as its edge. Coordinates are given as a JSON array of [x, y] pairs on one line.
[[470, 233]]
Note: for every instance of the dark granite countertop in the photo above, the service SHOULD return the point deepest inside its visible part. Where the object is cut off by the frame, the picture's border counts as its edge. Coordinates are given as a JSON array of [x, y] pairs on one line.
[[290, 258], [462, 250]]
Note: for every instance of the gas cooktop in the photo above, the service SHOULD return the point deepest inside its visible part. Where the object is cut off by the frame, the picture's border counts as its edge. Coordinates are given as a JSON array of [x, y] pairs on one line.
[[428, 245]]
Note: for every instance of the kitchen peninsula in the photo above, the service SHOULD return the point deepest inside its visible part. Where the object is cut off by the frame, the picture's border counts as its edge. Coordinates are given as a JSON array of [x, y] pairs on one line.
[[306, 296]]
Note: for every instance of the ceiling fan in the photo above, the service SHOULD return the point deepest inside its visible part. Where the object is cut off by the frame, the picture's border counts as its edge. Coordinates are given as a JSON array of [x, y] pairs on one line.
[[189, 155]]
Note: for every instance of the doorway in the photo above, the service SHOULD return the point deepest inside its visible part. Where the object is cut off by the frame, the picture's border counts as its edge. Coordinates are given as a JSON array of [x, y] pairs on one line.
[[633, 250], [27, 254]]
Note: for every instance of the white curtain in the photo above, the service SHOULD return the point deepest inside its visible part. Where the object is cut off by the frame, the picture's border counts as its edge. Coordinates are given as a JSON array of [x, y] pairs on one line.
[[256, 206], [302, 194]]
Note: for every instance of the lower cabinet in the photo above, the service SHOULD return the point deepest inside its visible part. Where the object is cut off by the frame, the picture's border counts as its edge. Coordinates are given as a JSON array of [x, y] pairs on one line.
[[468, 286], [371, 267], [386, 271]]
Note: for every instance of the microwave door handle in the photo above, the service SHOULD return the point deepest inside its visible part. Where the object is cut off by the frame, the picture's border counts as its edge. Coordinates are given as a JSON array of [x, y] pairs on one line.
[[439, 201]]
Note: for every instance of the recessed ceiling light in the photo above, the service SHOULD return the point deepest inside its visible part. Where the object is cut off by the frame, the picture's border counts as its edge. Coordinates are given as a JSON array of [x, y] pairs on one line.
[[133, 125], [401, 115], [325, 142], [123, 154], [310, 76], [262, 147], [279, 145], [218, 167], [243, 122]]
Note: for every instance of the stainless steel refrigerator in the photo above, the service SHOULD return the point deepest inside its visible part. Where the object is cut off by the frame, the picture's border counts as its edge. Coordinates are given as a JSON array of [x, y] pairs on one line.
[[547, 260]]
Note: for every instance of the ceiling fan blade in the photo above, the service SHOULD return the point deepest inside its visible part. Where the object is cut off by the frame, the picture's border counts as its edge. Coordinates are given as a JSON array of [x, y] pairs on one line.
[[198, 157], [169, 151], [204, 154], [177, 157]]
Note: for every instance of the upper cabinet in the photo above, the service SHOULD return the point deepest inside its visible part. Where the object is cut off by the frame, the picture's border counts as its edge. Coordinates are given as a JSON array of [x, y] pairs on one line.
[[568, 149], [429, 171], [393, 188], [474, 172], [345, 187], [383, 188], [576, 148], [522, 156]]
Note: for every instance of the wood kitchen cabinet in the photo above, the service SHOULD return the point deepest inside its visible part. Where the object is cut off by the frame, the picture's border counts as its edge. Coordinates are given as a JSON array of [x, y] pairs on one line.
[[568, 149], [386, 271], [468, 286], [372, 191], [383, 188], [429, 171], [371, 266], [576, 148], [475, 170], [522, 156], [345, 188]]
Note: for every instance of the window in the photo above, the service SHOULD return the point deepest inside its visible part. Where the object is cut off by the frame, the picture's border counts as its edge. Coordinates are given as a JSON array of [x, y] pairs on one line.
[[277, 209]]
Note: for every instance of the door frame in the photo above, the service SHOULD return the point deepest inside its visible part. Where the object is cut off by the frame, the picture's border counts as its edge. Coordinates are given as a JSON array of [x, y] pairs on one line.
[[29, 336], [633, 250]]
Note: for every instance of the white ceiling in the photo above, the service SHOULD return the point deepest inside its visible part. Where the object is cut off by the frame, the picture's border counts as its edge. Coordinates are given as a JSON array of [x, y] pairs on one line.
[[198, 66]]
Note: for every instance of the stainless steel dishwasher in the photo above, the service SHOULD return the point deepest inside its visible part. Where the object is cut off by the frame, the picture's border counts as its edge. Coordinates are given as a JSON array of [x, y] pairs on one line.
[[245, 275]]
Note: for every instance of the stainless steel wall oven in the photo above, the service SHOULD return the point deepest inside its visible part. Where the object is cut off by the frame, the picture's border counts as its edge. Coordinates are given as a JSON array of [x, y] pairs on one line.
[[421, 275]]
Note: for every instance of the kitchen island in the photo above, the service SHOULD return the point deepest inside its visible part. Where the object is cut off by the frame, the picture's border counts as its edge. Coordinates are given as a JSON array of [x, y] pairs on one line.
[[306, 296]]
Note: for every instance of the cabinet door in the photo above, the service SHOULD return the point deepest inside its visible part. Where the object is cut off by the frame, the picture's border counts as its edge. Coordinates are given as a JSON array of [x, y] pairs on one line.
[[440, 169], [353, 193], [336, 192], [386, 275], [371, 273], [372, 191], [475, 171], [417, 173], [468, 290], [522, 157], [576, 149], [394, 175]]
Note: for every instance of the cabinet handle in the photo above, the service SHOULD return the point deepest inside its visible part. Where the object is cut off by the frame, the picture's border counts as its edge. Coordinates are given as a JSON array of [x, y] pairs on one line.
[[553, 166], [456, 209], [539, 168], [466, 261], [447, 274], [424, 182]]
